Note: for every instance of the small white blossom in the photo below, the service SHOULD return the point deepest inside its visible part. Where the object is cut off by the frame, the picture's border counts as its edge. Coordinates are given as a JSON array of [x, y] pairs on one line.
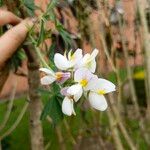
[[51, 76], [89, 61], [97, 91], [63, 62], [72, 94]]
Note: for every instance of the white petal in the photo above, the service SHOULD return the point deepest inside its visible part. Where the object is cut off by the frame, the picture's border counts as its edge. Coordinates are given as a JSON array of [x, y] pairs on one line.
[[94, 53], [78, 95], [89, 62], [67, 106], [105, 85], [73, 112], [91, 66], [47, 71], [75, 58], [46, 80], [78, 54], [70, 54], [63, 91], [76, 91], [85, 59], [92, 83], [78, 75], [61, 62], [82, 73], [97, 101]]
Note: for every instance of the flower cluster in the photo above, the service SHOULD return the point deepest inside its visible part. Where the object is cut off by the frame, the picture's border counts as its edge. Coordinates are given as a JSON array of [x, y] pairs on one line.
[[80, 70]]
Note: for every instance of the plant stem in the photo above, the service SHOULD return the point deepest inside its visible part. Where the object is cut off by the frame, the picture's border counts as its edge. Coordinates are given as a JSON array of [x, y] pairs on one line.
[[129, 71], [9, 107], [69, 133], [120, 123], [60, 138], [0, 145], [114, 130], [39, 54], [147, 50], [13, 127]]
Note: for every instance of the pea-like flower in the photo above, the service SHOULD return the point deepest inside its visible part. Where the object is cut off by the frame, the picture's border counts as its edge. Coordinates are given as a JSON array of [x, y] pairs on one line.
[[63, 62], [51, 76], [72, 94], [89, 62], [84, 79], [98, 89]]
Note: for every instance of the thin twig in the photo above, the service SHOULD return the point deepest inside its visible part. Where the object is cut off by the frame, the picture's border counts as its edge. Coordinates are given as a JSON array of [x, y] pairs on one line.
[[13, 127], [129, 71], [119, 121], [9, 107], [147, 50], [114, 130], [59, 135], [47, 146], [68, 131]]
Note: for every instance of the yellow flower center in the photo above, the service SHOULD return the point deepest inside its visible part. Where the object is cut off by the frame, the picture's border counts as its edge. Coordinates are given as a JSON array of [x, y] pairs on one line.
[[83, 82], [101, 92], [59, 75]]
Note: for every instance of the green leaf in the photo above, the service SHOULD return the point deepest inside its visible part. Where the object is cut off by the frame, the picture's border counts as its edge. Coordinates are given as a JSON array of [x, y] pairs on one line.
[[1, 3], [63, 33], [53, 109], [55, 89], [52, 5], [51, 54], [53, 106], [42, 34], [46, 110], [50, 14], [43, 91], [17, 58], [30, 6]]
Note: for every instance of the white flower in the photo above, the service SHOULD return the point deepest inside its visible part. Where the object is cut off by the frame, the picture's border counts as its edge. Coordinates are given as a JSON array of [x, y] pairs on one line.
[[64, 63], [75, 58], [51, 76], [89, 61], [67, 106], [84, 78], [98, 89], [72, 94]]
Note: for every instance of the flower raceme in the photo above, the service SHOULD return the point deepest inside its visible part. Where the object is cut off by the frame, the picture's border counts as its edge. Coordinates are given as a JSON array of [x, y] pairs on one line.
[[79, 71]]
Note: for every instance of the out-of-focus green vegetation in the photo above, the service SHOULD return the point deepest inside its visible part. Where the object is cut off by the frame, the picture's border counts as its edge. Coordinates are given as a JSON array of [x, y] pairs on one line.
[[82, 123]]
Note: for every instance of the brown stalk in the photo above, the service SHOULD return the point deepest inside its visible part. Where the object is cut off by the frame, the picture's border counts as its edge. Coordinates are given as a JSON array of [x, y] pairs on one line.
[[0, 146], [35, 108], [114, 131], [120, 122], [59, 135], [115, 109], [147, 50], [13, 127], [132, 87], [129, 71], [9, 107]]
